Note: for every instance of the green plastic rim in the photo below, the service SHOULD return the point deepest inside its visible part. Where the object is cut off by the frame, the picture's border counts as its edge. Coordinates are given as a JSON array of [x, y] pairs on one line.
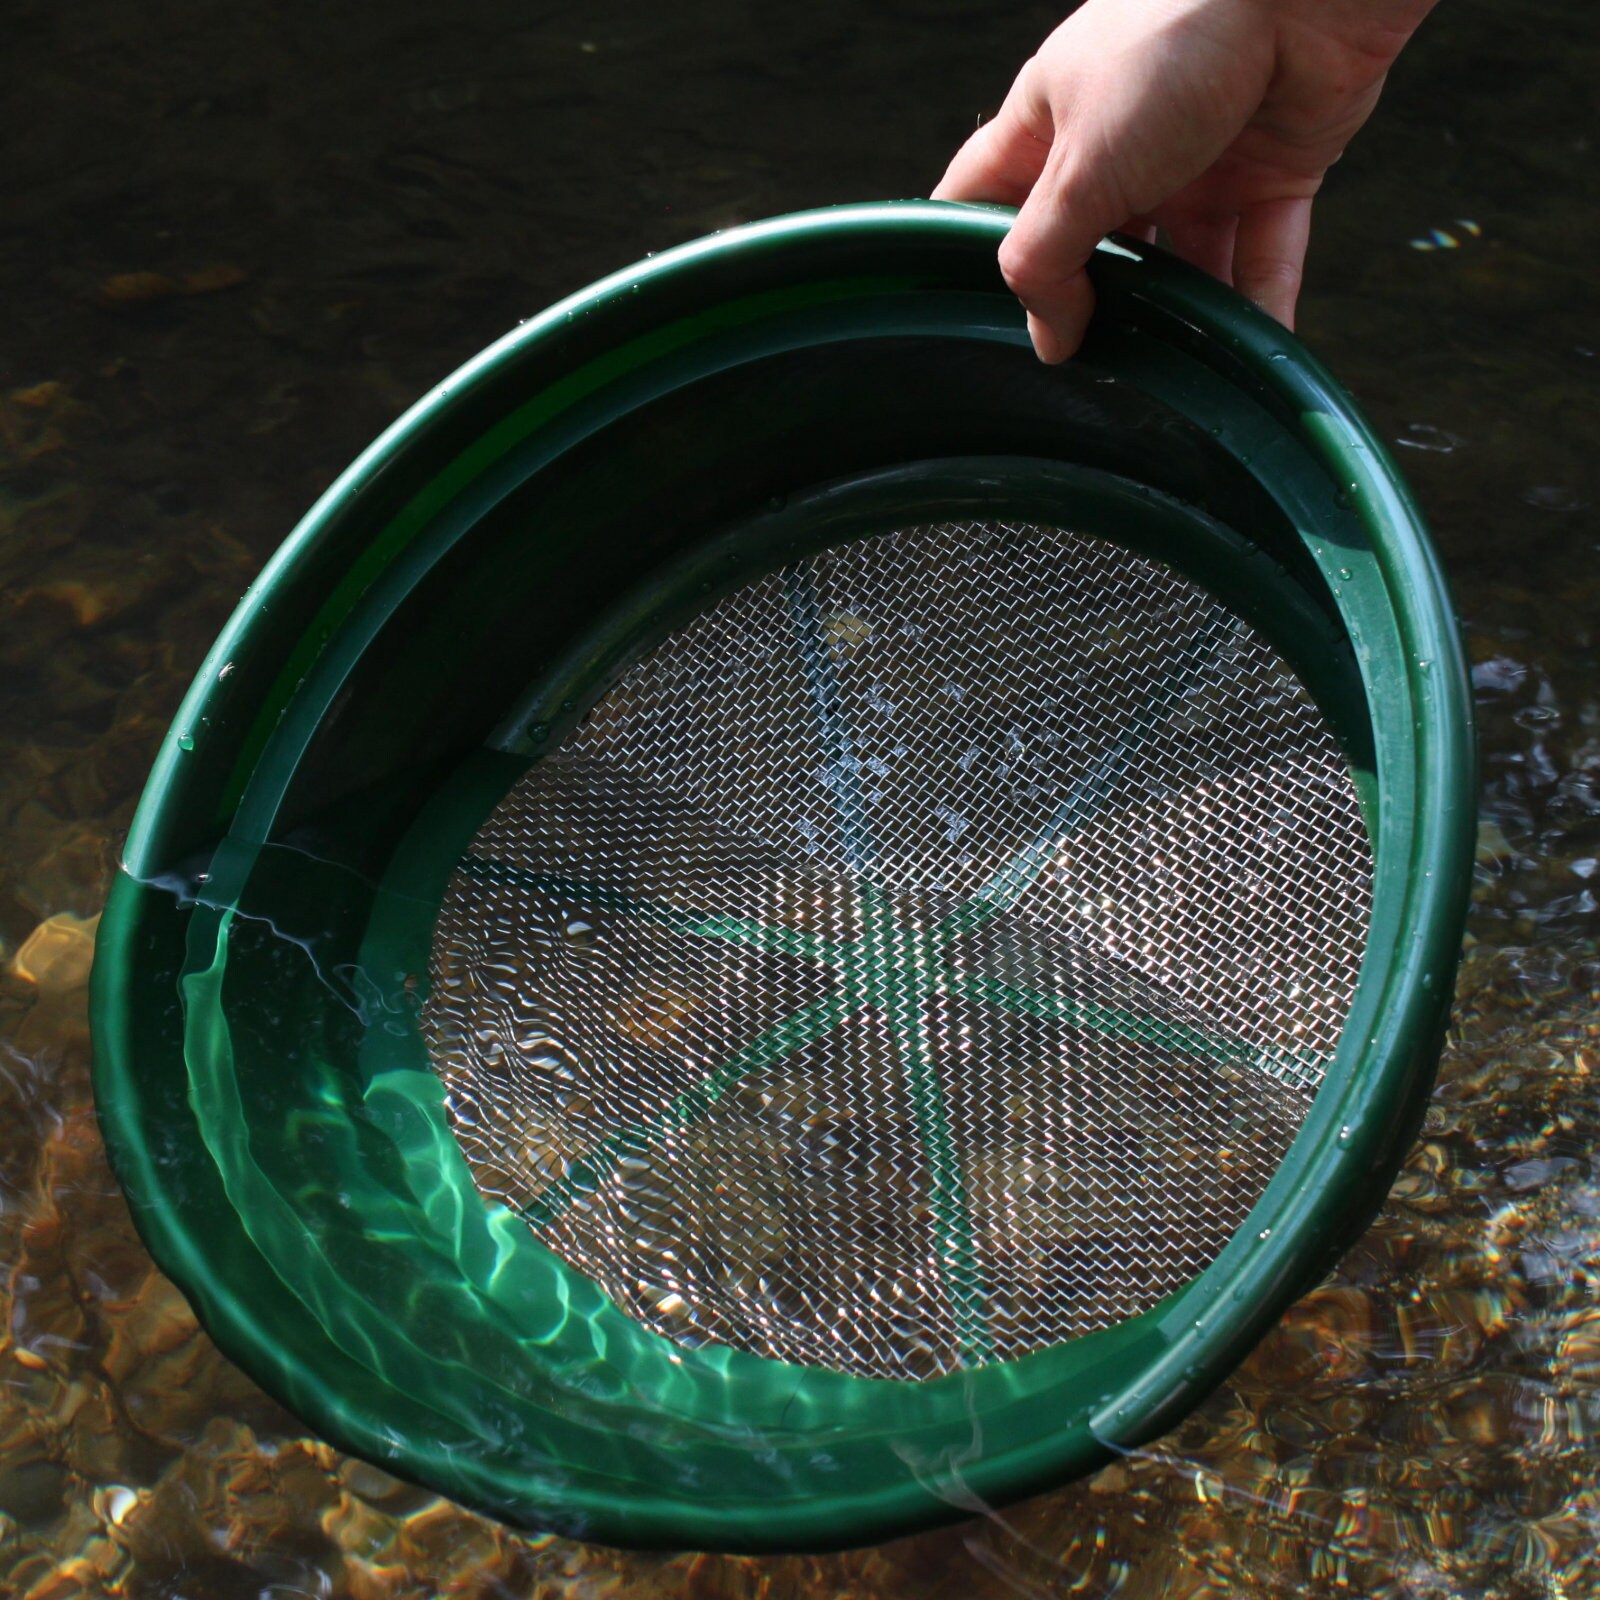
[[264, 1093]]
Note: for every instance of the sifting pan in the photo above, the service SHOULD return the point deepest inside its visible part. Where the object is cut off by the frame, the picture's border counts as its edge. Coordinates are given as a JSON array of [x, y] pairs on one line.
[[773, 920]]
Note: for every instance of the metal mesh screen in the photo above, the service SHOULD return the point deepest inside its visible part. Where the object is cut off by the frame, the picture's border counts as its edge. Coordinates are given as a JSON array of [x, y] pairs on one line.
[[925, 956]]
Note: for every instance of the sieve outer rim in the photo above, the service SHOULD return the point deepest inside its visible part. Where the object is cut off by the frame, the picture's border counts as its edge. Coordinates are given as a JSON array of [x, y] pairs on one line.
[[1423, 614]]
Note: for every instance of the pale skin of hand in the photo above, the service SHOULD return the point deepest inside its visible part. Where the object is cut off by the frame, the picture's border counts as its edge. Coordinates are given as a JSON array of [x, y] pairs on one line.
[[1214, 119]]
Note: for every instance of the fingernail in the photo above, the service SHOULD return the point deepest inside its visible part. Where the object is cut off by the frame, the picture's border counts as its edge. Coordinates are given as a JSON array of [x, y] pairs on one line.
[[1046, 345]]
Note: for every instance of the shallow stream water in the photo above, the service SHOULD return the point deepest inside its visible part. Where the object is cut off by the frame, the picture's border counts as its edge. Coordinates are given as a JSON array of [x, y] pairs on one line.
[[238, 241]]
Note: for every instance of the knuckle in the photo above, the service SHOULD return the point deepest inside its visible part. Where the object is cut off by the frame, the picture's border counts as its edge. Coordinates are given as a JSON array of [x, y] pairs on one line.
[[1270, 272], [1020, 267]]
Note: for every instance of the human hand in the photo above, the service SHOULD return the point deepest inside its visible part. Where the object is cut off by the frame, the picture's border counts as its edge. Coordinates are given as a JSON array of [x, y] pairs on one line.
[[1215, 119]]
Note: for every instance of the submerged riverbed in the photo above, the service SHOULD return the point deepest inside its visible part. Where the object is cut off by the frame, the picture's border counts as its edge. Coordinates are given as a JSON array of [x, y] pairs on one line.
[[241, 241]]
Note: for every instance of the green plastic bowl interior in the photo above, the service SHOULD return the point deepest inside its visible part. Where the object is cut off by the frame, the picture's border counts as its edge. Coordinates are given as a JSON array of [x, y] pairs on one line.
[[448, 614]]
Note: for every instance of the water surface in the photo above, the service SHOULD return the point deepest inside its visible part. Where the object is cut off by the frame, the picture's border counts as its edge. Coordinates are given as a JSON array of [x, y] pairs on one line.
[[240, 240]]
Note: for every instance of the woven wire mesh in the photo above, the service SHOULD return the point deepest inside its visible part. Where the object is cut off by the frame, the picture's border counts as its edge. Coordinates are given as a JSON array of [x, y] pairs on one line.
[[924, 956]]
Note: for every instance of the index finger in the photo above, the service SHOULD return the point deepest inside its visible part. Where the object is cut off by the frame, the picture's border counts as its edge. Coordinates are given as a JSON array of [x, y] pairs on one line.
[[1001, 162], [1022, 158], [1043, 258]]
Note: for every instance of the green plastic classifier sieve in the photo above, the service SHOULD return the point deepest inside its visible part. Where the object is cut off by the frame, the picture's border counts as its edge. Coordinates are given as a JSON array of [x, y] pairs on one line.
[[774, 921]]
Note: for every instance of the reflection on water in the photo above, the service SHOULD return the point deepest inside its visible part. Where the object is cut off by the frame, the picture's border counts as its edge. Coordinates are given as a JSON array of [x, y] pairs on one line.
[[242, 245]]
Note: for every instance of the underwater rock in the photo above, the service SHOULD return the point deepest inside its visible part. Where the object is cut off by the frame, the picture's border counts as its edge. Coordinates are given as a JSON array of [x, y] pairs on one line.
[[170, 1379], [360, 1531], [377, 1487], [32, 1490], [123, 290], [369, 1580], [99, 1446], [1576, 1361], [32, 418], [1324, 1339], [154, 1324], [444, 1533], [58, 954]]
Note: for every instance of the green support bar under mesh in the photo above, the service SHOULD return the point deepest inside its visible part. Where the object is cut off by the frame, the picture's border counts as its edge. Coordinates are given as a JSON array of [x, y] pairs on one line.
[[883, 968]]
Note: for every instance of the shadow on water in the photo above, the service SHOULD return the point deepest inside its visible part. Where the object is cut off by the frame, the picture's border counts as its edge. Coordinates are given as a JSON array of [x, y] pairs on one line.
[[243, 239]]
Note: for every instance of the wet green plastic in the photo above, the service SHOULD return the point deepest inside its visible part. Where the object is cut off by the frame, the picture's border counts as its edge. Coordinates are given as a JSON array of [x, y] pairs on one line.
[[453, 604]]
